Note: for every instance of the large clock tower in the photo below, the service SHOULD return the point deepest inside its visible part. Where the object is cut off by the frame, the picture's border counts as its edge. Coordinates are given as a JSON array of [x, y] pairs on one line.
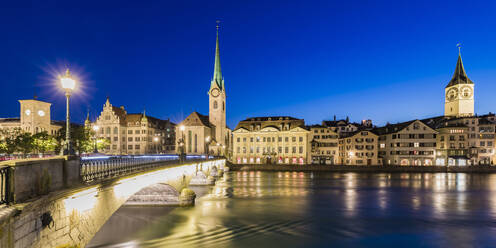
[[217, 100], [459, 93]]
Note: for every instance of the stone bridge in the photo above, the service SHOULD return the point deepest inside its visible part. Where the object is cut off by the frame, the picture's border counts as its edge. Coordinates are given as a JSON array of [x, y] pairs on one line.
[[52, 205]]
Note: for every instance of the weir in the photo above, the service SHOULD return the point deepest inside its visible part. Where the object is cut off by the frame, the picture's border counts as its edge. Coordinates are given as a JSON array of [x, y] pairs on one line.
[[70, 211]]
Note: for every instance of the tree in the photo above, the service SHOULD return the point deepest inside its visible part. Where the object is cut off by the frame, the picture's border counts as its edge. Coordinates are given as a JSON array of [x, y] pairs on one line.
[[24, 143], [44, 142], [81, 138], [8, 142]]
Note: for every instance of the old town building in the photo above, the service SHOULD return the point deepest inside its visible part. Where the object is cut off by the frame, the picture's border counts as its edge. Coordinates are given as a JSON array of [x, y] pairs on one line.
[[452, 144], [132, 133], [407, 143], [274, 139], [358, 148], [324, 145], [35, 117], [199, 134]]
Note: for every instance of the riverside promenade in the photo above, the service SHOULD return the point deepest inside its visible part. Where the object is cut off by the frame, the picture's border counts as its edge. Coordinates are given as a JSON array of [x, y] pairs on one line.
[[365, 169]]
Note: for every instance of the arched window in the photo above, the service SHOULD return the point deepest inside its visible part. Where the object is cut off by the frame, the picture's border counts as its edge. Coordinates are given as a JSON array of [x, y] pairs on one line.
[[223, 106], [116, 130], [215, 104], [108, 130], [196, 143]]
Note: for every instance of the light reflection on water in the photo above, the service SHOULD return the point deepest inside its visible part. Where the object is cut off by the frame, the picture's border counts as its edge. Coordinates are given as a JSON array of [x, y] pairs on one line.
[[296, 209]]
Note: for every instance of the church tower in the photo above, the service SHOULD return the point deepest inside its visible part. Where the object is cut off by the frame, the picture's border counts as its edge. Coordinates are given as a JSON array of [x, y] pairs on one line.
[[459, 93], [217, 99]]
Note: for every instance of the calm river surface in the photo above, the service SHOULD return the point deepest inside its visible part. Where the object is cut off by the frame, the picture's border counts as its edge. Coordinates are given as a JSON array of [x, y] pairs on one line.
[[296, 209]]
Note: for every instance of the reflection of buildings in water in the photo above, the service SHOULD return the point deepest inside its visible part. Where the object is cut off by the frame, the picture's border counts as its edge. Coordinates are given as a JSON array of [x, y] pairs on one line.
[[382, 196], [256, 184], [492, 194], [350, 194], [416, 202]]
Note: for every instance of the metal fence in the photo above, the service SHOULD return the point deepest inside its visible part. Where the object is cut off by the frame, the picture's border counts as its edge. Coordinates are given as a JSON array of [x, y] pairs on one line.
[[109, 167], [4, 185]]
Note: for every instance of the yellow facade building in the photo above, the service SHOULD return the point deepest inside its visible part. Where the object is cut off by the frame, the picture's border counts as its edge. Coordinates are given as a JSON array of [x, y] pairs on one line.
[[35, 117], [275, 139], [133, 133], [407, 143], [359, 148]]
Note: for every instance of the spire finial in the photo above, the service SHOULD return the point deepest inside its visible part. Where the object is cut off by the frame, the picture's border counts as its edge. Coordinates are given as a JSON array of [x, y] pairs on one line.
[[459, 45], [217, 26]]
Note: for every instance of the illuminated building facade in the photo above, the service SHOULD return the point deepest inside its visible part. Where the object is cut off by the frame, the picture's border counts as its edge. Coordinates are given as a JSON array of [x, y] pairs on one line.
[[359, 148], [324, 145], [274, 139], [133, 133], [407, 143], [34, 117]]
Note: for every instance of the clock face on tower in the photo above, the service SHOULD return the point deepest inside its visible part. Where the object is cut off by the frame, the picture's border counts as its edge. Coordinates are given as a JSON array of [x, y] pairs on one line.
[[452, 94], [466, 92], [215, 92]]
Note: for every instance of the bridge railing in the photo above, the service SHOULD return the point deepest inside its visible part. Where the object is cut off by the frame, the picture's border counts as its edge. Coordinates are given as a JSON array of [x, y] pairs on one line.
[[4, 184], [98, 169]]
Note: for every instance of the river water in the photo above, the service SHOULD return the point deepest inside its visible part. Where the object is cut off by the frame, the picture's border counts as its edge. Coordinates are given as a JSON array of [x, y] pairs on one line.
[[296, 209]]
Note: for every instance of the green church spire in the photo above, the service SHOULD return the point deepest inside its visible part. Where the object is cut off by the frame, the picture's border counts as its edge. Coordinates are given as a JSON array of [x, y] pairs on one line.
[[218, 79]]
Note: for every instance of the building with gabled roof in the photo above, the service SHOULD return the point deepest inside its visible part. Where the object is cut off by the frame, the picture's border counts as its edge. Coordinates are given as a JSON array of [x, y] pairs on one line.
[[132, 133], [407, 143]]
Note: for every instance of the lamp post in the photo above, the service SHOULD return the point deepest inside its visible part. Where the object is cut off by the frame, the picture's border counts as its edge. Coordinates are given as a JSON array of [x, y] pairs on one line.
[[155, 139], [207, 142], [181, 144], [96, 128], [68, 84]]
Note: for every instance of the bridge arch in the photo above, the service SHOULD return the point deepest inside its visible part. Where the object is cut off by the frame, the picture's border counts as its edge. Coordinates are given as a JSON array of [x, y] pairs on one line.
[[78, 214]]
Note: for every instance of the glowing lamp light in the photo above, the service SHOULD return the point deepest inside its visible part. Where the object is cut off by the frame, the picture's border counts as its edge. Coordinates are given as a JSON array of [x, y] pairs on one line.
[[155, 139], [181, 128], [67, 82], [207, 139], [350, 153], [96, 128]]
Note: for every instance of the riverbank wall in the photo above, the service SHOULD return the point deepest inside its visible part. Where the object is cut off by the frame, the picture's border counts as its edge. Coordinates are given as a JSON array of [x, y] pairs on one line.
[[365, 169]]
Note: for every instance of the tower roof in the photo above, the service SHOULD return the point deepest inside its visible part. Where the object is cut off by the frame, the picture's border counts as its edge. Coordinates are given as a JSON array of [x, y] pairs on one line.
[[459, 77], [217, 79]]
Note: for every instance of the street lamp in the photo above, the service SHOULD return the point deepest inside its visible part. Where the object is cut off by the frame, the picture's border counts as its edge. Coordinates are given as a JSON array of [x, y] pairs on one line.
[[207, 142], [68, 84], [181, 144], [96, 128]]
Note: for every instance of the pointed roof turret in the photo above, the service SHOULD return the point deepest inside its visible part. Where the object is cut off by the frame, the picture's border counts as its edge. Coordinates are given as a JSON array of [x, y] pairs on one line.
[[87, 121], [144, 115], [459, 77], [218, 79]]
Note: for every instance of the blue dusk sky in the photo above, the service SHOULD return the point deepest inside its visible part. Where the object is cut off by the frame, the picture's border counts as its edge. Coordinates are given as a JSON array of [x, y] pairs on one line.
[[379, 60]]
